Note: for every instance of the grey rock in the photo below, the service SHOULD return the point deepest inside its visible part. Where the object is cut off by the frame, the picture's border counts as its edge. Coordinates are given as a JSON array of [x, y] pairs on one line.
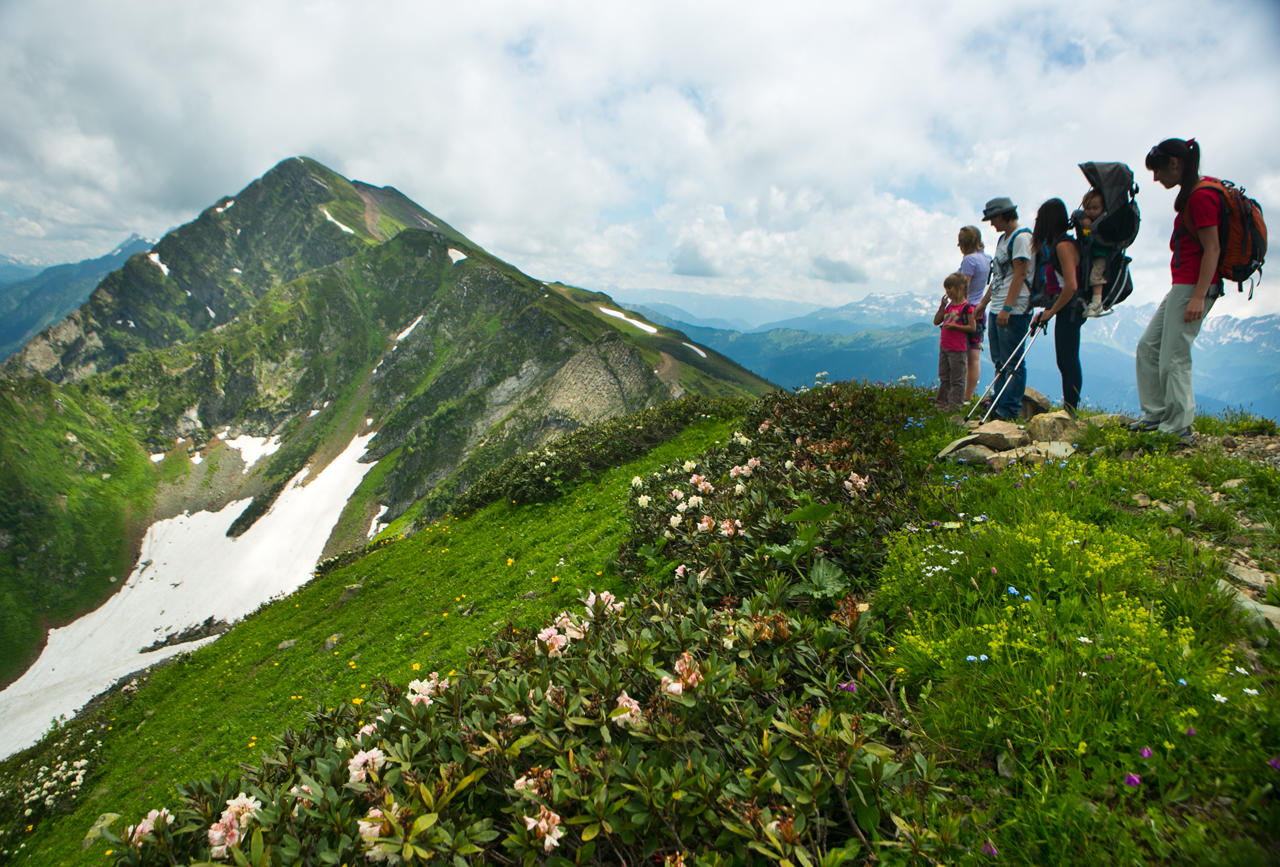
[[973, 453], [1230, 484], [1261, 614], [332, 641], [1189, 510], [1054, 427], [1056, 450], [957, 444], [349, 591], [1141, 500], [1001, 435], [1034, 403], [1254, 578], [286, 644]]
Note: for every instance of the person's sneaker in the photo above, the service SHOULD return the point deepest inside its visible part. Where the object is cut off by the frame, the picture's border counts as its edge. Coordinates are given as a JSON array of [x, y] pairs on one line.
[[1093, 308], [1186, 437], [1143, 424]]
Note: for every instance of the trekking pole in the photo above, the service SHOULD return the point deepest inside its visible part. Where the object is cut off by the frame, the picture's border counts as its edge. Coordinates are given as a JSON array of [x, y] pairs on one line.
[[1015, 360], [1004, 367]]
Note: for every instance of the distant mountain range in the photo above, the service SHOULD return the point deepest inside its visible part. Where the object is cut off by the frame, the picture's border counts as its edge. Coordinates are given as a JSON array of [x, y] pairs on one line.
[[885, 337], [30, 304], [13, 270]]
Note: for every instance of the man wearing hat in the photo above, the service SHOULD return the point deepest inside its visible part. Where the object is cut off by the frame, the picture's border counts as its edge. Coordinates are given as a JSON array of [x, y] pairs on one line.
[[1009, 302]]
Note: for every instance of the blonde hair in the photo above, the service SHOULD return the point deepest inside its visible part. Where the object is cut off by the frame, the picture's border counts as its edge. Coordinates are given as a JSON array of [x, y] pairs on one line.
[[958, 282], [970, 240]]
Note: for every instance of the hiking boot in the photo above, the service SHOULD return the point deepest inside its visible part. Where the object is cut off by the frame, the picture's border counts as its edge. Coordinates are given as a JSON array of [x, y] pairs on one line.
[[1186, 437], [1144, 424]]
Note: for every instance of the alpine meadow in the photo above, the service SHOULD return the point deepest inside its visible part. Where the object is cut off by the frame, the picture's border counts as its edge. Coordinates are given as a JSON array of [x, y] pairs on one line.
[[327, 537]]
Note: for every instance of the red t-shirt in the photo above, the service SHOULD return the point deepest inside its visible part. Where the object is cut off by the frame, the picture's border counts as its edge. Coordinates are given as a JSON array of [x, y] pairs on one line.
[[952, 339], [1187, 252]]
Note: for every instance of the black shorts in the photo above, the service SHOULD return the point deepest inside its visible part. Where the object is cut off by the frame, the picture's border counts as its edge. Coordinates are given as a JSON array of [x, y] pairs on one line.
[[975, 337]]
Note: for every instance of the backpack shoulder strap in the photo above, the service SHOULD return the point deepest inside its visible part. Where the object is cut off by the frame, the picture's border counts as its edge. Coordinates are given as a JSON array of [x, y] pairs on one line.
[[1184, 216]]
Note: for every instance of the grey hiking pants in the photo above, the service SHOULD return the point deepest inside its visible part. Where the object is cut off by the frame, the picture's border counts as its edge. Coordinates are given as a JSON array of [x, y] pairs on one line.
[[1164, 361]]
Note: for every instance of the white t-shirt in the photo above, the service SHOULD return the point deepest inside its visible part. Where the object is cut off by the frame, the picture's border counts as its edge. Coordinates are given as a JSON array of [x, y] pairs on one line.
[[1002, 271]]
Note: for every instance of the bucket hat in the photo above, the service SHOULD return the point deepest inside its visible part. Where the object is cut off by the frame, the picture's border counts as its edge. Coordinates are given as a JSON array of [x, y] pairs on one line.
[[997, 206]]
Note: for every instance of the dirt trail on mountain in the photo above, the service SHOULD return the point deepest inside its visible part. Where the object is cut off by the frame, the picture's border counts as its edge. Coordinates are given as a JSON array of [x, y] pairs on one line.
[[372, 213], [669, 370]]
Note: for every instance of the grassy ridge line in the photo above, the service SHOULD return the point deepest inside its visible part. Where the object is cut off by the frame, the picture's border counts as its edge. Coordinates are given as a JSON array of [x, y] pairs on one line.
[[223, 704]]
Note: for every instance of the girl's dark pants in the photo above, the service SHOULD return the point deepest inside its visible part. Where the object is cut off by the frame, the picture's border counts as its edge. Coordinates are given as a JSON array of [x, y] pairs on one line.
[[1066, 343]]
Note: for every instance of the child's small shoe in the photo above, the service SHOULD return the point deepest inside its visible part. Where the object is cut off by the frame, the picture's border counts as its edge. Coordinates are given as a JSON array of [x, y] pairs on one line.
[[1093, 308]]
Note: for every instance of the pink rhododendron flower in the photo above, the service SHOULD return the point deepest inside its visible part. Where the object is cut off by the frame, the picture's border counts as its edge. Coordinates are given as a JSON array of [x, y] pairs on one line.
[[553, 641], [545, 827], [729, 528], [706, 523], [135, 833], [856, 482], [752, 463], [676, 494], [671, 687], [571, 627], [681, 570], [371, 826], [366, 730], [223, 834], [632, 716], [687, 668], [363, 762], [243, 807], [421, 691], [606, 599]]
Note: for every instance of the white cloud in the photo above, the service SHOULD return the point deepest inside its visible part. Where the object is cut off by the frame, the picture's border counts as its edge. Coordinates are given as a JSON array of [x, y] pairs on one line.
[[747, 147]]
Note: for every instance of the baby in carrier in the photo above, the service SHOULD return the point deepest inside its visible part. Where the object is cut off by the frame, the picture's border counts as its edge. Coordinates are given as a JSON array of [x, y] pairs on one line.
[[1090, 210]]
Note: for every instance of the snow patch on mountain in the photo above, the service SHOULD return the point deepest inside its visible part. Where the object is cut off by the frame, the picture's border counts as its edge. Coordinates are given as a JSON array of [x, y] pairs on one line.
[[188, 571], [412, 325], [456, 255], [330, 218], [155, 259], [253, 449], [618, 314]]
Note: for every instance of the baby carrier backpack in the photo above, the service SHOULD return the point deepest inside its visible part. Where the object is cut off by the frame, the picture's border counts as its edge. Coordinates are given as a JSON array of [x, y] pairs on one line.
[[1112, 232]]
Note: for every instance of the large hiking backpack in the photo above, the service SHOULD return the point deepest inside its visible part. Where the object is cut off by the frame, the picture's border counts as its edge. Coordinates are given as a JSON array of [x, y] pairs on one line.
[[1045, 287], [1114, 231], [1241, 231]]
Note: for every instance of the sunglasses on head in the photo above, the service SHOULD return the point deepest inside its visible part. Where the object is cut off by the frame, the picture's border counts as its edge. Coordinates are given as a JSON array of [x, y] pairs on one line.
[[1158, 157]]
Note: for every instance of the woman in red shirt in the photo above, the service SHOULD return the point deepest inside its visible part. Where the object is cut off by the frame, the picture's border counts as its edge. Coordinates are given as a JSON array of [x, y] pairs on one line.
[[1164, 352]]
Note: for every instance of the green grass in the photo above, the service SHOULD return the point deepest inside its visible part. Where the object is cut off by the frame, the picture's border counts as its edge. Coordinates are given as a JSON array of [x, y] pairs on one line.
[[1052, 668], [423, 600]]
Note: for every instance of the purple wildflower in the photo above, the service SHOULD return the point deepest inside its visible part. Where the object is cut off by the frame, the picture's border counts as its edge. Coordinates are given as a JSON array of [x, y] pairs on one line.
[[1145, 752], [1132, 780], [989, 848], [1275, 762], [849, 687], [1191, 731]]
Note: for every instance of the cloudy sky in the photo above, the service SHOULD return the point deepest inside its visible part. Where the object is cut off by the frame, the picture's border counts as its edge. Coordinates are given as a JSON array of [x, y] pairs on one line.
[[812, 151]]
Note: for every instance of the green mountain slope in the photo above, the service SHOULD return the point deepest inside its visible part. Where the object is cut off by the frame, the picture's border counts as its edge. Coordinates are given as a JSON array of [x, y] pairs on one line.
[[306, 308], [882, 658]]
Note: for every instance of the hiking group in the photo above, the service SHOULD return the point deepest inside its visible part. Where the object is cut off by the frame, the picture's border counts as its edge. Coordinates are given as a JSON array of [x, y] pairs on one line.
[[1048, 273]]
